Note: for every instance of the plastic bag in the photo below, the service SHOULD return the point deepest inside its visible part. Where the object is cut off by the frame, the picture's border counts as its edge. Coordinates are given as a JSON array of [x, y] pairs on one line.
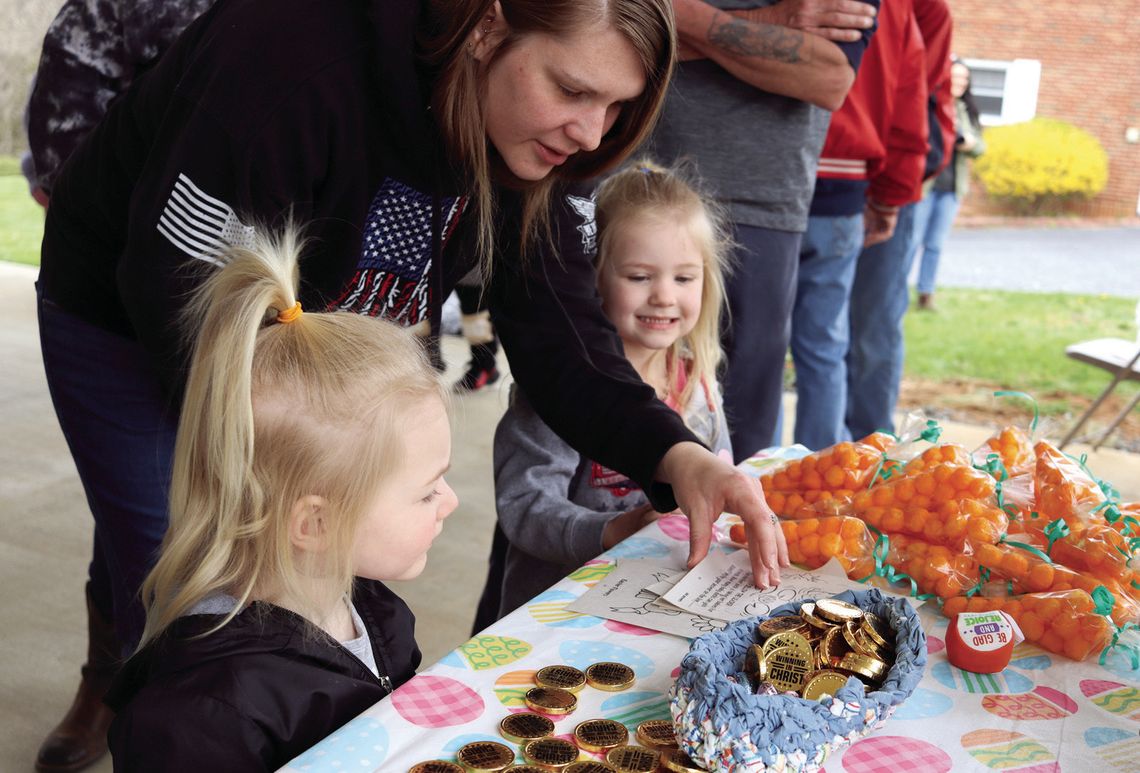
[[1063, 622], [813, 542]]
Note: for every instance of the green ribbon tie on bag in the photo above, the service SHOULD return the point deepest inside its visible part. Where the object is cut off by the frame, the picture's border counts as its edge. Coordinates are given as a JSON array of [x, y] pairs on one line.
[[1024, 395], [1056, 530]]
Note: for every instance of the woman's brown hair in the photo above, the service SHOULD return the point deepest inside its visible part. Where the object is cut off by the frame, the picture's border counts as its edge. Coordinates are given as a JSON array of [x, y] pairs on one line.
[[646, 24]]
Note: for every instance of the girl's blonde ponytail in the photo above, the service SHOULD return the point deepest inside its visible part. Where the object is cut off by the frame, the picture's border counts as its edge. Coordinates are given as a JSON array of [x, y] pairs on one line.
[[275, 410]]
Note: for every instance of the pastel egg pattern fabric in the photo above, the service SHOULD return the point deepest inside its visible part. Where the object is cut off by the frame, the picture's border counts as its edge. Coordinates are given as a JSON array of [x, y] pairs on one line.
[[1042, 703], [594, 571], [632, 630], [483, 652], [1008, 681], [891, 754], [510, 688], [437, 701], [633, 708], [361, 744], [924, 704], [549, 608], [675, 527], [1118, 748], [1010, 750], [1114, 697]]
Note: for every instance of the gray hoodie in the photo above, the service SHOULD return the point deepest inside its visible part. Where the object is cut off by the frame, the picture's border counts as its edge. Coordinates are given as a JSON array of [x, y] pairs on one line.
[[553, 503]]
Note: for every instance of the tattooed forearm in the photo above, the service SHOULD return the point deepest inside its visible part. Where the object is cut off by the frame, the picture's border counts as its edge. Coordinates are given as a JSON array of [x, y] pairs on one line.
[[768, 41]]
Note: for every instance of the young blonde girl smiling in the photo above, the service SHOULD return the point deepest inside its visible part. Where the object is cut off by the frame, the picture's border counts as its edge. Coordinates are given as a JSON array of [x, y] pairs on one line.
[[660, 274], [308, 467]]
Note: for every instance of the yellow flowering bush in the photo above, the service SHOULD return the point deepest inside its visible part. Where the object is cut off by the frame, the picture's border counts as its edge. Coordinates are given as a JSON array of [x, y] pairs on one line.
[[1041, 164]]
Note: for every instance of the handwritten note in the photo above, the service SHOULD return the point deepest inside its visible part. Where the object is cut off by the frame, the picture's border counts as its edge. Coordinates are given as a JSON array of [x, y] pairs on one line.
[[630, 594], [720, 587]]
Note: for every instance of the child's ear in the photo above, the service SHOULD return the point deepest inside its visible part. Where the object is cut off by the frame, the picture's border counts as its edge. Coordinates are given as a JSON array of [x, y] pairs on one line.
[[308, 524]]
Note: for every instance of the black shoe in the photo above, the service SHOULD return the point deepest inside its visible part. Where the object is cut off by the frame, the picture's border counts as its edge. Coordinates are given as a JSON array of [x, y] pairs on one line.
[[476, 378]]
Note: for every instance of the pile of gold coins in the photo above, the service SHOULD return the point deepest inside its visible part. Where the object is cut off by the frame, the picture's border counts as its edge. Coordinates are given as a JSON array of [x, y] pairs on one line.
[[555, 694], [812, 654]]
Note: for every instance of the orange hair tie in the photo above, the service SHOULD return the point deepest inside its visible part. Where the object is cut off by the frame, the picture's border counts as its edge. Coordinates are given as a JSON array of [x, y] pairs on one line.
[[289, 315]]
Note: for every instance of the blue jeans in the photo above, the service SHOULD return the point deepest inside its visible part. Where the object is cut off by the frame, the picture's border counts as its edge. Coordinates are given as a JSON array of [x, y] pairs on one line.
[[879, 299], [820, 327], [761, 293], [119, 426], [932, 220]]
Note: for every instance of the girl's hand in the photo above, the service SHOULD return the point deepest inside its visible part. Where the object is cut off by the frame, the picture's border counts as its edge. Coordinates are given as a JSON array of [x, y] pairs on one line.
[[705, 486], [627, 524]]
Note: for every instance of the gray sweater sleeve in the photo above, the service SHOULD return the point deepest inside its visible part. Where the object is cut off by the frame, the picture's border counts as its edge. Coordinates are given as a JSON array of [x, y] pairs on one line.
[[535, 471]]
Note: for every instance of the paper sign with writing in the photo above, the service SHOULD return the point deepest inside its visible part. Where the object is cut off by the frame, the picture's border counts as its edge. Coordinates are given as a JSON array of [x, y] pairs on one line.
[[720, 587], [624, 595]]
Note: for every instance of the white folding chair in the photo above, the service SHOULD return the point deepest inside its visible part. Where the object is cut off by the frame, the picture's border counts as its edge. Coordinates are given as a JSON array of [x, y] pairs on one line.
[[1122, 359]]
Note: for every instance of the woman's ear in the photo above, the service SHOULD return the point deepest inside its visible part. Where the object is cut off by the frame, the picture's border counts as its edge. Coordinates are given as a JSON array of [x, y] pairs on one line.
[[491, 30], [309, 529]]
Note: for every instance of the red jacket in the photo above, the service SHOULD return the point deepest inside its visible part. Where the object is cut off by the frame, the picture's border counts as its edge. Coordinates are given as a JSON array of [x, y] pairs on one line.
[[880, 133], [933, 17]]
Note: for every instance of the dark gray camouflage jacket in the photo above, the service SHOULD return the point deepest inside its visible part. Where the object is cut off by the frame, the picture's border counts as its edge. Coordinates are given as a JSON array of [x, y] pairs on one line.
[[92, 51]]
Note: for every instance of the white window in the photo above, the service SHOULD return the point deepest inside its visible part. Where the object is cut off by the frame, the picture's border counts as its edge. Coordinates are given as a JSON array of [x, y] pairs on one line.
[[1006, 92]]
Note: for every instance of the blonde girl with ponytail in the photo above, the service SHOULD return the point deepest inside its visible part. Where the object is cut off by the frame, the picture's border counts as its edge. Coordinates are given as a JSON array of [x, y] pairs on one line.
[[661, 261], [308, 467]]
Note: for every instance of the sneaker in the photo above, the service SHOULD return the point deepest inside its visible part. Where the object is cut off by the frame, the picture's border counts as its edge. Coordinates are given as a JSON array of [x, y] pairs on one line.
[[926, 301], [476, 378]]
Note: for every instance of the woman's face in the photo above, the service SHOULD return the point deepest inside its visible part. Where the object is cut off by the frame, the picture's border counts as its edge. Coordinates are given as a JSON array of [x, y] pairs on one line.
[[547, 97], [959, 79]]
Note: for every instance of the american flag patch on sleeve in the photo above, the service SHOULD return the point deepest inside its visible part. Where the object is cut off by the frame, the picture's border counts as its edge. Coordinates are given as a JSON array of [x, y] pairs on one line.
[[201, 225]]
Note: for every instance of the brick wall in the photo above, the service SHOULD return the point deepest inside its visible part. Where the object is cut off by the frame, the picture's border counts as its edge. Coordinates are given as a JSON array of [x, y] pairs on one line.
[[1090, 75]]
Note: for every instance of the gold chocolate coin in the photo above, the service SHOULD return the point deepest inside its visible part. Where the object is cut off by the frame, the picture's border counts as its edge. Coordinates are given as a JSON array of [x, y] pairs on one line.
[[869, 648], [788, 639], [807, 613], [526, 768], [596, 735], [676, 761], [754, 663], [836, 611], [590, 766], [550, 753], [562, 677], [611, 677], [822, 683], [832, 648], [787, 667], [657, 734], [856, 642], [484, 756], [871, 668], [633, 759], [550, 700], [520, 728], [877, 630], [775, 625], [435, 766]]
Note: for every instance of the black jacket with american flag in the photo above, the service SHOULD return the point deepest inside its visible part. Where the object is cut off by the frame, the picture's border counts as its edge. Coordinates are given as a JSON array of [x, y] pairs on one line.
[[320, 109]]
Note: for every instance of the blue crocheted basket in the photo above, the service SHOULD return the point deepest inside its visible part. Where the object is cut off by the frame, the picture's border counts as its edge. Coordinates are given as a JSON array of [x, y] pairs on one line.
[[723, 726]]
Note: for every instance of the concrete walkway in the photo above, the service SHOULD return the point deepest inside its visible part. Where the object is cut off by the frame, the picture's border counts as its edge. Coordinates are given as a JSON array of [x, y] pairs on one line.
[[1090, 261], [45, 531]]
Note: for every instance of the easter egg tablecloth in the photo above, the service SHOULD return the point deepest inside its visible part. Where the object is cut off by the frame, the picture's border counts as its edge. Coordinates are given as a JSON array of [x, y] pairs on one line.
[[1041, 714]]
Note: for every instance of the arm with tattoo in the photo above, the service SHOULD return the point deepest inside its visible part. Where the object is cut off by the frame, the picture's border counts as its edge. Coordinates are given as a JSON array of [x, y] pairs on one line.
[[759, 46]]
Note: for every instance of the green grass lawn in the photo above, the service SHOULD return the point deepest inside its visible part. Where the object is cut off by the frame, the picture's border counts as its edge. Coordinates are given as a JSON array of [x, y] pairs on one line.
[[21, 218], [1016, 340]]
